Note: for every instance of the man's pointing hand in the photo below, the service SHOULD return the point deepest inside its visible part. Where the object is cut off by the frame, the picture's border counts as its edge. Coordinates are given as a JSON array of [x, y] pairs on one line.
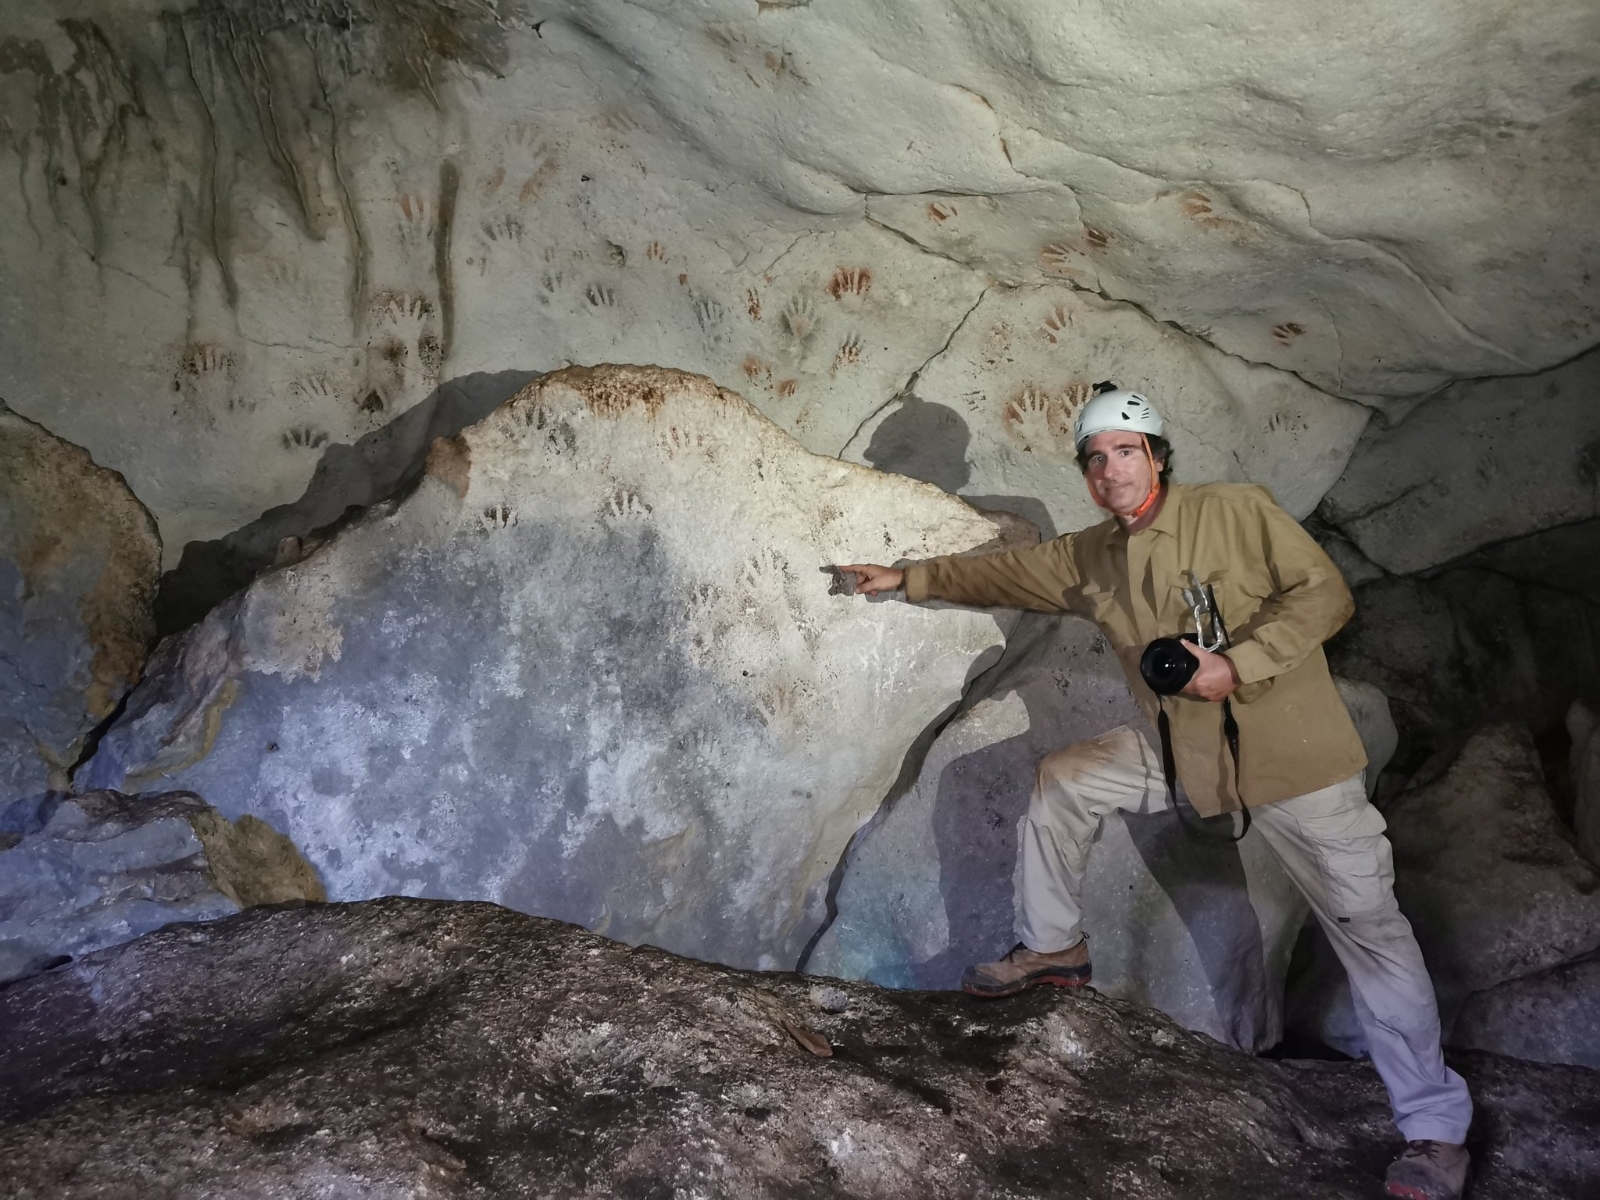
[[872, 579]]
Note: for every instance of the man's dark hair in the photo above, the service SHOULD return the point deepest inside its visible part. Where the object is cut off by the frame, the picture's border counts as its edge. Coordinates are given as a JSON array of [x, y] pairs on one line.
[[1160, 448]]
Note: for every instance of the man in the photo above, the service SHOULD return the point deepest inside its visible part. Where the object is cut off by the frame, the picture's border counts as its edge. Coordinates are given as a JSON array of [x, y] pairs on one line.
[[1299, 760]]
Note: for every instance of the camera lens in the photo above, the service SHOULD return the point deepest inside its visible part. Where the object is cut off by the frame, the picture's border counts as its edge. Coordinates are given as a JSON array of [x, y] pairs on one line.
[[1167, 666]]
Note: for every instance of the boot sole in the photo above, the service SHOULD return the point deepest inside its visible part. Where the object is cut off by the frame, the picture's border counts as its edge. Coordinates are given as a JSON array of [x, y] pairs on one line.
[[1062, 977], [1404, 1191]]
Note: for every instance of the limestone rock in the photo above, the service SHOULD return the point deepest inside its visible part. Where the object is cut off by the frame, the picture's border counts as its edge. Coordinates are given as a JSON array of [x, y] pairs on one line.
[[102, 868], [999, 405], [1510, 633], [803, 201], [79, 558], [1549, 1016], [1485, 873], [1201, 931], [1583, 725], [402, 1049], [590, 668], [1500, 902], [1484, 461]]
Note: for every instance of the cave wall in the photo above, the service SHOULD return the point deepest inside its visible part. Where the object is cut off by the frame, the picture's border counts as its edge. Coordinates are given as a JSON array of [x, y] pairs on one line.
[[257, 256], [241, 234]]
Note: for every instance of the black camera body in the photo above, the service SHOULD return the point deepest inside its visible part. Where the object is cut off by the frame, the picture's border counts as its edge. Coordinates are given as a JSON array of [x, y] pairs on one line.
[[1166, 666]]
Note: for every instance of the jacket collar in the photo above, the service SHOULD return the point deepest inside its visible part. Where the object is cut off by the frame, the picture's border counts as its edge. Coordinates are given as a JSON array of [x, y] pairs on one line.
[[1166, 520]]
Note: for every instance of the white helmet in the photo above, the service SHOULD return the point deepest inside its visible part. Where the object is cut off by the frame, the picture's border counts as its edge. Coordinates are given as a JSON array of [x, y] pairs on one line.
[[1115, 408]]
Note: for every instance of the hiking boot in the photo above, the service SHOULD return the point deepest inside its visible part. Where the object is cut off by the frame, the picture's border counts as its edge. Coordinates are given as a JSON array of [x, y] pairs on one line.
[[1428, 1171], [1024, 968]]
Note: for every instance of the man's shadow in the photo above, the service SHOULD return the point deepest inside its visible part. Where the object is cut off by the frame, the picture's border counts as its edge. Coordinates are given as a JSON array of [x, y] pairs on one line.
[[984, 795]]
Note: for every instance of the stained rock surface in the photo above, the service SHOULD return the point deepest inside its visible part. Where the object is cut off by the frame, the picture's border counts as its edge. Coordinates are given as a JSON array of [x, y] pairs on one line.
[[79, 559], [1199, 930], [247, 232], [1505, 909], [403, 1048], [102, 868], [590, 668], [1028, 354]]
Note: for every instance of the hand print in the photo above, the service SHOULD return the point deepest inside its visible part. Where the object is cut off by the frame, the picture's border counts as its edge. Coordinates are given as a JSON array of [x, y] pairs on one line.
[[1055, 321], [849, 353], [304, 437], [800, 318], [850, 281], [497, 517]]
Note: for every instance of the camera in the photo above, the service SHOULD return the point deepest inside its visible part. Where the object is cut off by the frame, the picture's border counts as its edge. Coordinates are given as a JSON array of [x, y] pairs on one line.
[[1166, 666]]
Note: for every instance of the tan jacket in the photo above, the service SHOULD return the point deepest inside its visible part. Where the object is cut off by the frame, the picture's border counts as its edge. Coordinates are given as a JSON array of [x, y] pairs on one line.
[[1280, 596]]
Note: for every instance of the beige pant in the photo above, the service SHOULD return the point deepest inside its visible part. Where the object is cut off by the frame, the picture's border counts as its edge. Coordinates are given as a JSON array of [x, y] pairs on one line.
[[1330, 842]]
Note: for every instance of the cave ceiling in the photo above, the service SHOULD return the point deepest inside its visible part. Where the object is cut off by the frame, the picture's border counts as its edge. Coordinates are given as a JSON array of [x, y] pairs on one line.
[[238, 233]]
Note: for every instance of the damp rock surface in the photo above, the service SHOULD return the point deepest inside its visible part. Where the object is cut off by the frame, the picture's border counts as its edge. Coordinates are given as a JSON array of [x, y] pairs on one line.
[[592, 667], [79, 559], [89, 871], [402, 1048]]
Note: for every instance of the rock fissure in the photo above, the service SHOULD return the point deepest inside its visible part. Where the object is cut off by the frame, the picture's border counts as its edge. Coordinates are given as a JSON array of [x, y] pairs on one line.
[[909, 387]]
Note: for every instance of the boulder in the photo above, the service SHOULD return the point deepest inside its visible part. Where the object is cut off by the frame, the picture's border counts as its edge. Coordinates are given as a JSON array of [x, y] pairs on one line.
[[1500, 901], [1549, 1016], [79, 561], [1583, 726], [590, 668], [409, 1049], [1504, 634], [1486, 873], [1199, 930], [1484, 461], [94, 870]]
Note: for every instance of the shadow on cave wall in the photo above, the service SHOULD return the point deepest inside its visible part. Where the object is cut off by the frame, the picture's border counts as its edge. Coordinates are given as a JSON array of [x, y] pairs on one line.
[[929, 442], [982, 796], [347, 479]]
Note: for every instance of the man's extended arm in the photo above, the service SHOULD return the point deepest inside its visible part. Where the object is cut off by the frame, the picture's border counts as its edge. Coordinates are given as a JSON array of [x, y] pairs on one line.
[[1034, 577], [1310, 601]]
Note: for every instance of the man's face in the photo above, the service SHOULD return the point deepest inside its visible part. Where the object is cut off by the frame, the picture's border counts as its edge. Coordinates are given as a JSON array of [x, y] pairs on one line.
[[1118, 470]]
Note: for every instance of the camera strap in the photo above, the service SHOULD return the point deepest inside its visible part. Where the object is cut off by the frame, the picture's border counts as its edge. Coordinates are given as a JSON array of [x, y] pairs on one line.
[[1193, 823]]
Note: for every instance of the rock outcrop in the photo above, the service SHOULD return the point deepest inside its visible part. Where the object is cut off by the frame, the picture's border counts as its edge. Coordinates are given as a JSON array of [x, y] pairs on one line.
[[79, 559], [1549, 1016], [1485, 873], [591, 668], [1509, 632], [1506, 911], [1482, 462], [408, 1049], [1201, 931], [91, 871]]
